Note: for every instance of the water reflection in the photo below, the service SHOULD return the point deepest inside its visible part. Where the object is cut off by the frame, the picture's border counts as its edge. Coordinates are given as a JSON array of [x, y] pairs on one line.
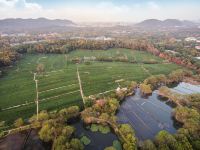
[[186, 88], [99, 141], [16, 141], [147, 116]]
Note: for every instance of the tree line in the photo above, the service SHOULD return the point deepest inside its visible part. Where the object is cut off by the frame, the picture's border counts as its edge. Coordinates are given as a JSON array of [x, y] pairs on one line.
[[8, 54]]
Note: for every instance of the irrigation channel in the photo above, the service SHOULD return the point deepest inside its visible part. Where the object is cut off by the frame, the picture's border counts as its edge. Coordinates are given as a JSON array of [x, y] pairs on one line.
[[149, 115]]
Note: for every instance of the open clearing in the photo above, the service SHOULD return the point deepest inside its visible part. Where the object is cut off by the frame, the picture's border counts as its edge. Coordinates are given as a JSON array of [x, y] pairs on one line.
[[58, 87]]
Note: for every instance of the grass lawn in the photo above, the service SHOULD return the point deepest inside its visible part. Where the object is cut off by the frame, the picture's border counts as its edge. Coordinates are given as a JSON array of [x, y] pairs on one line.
[[59, 87]]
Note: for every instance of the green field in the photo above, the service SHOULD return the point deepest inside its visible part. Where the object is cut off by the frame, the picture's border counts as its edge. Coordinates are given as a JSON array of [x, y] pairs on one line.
[[59, 87], [138, 56]]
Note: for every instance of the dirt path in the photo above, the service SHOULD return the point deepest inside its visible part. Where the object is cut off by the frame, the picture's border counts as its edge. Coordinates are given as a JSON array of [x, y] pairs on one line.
[[103, 92], [44, 99], [80, 85], [145, 70], [56, 88]]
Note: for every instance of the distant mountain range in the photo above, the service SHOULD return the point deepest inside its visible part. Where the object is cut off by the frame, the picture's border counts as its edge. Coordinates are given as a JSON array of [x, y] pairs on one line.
[[155, 23], [32, 24], [44, 25]]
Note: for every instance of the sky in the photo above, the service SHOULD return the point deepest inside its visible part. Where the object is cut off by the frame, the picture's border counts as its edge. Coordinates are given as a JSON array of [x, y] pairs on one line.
[[101, 10]]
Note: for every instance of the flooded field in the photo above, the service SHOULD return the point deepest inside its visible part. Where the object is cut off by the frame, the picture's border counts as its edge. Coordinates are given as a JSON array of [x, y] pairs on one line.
[[147, 116], [150, 115]]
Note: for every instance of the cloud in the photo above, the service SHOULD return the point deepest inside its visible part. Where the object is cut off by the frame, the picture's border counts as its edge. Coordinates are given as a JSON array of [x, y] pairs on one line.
[[19, 8], [153, 5], [99, 11], [32, 6], [7, 3], [17, 4]]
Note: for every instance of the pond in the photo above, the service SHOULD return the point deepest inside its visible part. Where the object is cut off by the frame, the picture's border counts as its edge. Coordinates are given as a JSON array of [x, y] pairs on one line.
[[99, 141], [147, 116], [186, 88], [150, 115], [16, 141], [26, 140]]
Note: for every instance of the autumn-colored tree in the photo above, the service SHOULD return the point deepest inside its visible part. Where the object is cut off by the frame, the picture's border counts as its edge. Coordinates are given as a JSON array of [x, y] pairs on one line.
[[19, 122], [164, 91], [178, 75], [156, 80], [184, 114], [51, 130], [165, 140], [183, 142], [145, 89], [42, 116], [70, 112], [76, 144], [129, 134], [148, 145]]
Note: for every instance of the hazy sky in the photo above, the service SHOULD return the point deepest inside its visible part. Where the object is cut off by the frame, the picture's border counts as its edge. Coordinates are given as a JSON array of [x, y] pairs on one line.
[[101, 10]]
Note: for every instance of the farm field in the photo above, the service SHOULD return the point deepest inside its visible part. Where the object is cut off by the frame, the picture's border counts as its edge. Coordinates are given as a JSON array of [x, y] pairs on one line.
[[58, 86], [138, 56]]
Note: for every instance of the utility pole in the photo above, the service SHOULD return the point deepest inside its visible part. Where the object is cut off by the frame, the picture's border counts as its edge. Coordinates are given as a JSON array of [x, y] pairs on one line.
[[66, 59], [34, 76], [37, 95], [81, 90]]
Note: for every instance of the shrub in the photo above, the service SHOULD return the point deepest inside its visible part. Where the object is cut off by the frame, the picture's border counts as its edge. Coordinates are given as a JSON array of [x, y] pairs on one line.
[[100, 128], [104, 129], [85, 140], [145, 89], [19, 122], [148, 145], [94, 128], [117, 145], [110, 148], [87, 63], [76, 144], [163, 138], [129, 134]]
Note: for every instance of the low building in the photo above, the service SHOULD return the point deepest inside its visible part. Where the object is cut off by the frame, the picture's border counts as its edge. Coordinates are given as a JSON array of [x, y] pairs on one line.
[[197, 58], [173, 52], [198, 41], [190, 39], [92, 58]]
